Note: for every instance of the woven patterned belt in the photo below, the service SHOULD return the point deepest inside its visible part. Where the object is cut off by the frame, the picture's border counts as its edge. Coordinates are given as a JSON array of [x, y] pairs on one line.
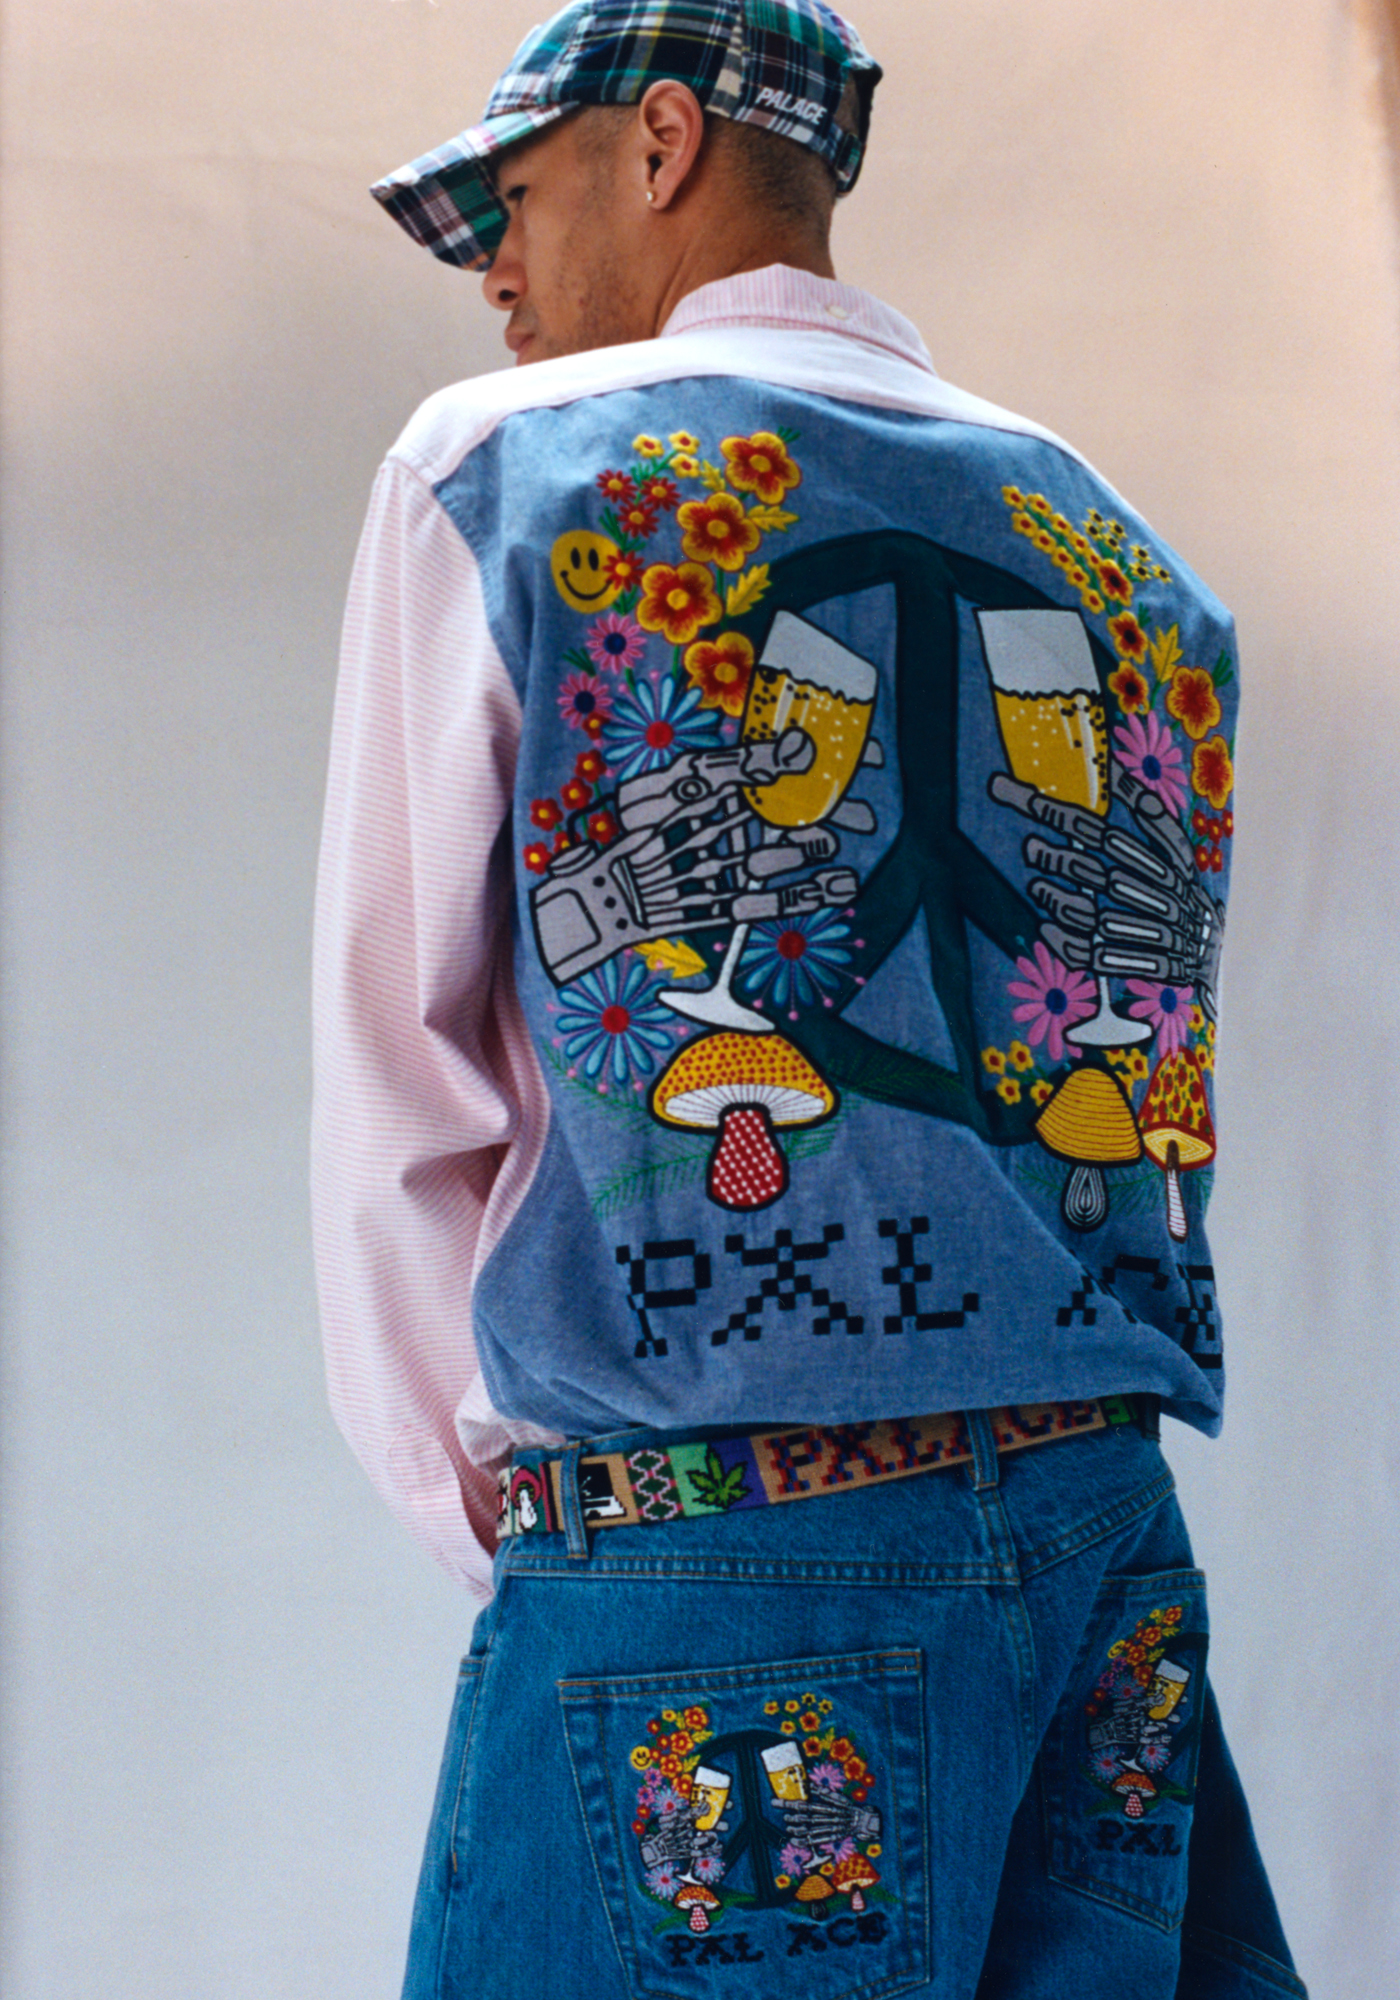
[[684, 1478]]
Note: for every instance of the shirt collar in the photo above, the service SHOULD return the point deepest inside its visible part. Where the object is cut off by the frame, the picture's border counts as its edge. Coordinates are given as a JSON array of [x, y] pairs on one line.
[[780, 296]]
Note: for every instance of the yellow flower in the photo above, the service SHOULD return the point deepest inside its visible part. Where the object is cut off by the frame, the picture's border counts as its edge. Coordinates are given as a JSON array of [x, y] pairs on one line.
[[825, 1707], [1013, 496], [1041, 1091], [648, 447], [1093, 602], [685, 441], [1081, 545], [685, 465], [1038, 503], [1061, 525], [1212, 772], [669, 1715], [1136, 1067], [1043, 540], [782, 1881], [1021, 1057], [1009, 1091], [1198, 1019], [791, 1707], [1023, 524], [789, 1727], [874, 1850], [770, 1708], [994, 1062]]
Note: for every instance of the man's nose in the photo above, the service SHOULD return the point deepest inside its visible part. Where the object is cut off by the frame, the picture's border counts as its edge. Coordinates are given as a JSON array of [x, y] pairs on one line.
[[504, 283]]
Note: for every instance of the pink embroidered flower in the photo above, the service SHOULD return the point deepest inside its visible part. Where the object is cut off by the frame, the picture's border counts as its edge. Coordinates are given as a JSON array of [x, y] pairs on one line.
[[1168, 1008], [615, 643], [1055, 998], [581, 697], [1151, 754]]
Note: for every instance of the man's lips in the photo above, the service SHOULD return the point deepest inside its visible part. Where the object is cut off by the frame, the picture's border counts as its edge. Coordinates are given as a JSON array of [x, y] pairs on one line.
[[518, 339]]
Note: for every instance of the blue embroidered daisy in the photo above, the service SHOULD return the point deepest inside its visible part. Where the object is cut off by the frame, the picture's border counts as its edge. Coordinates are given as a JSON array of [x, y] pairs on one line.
[[796, 961], [1104, 1765], [612, 1024], [647, 730]]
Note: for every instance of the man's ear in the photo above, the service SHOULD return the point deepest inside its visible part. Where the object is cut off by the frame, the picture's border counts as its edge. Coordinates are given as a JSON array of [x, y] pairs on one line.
[[670, 133]]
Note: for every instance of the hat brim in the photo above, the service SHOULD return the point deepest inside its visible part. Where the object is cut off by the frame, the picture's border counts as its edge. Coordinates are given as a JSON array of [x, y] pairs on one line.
[[447, 201]]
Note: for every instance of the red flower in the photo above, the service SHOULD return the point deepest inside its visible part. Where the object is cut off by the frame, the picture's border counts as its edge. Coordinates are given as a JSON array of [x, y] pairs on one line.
[[537, 857], [638, 520], [545, 814], [562, 841], [603, 828], [678, 601], [1212, 773], [1200, 825], [616, 486], [760, 464], [717, 530], [662, 493], [1113, 583], [593, 725], [1131, 689], [589, 766], [1192, 699], [1203, 858], [624, 569], [722, 668], [576, 794], [1128, 636], [1217, 861], [1227, 825]]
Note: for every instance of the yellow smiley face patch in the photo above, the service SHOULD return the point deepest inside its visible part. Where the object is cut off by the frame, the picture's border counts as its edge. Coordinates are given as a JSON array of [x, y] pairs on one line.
[[579, 563]]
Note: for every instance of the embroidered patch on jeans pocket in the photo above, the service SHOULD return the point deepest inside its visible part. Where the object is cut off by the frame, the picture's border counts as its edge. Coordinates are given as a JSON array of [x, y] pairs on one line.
[[766, 1815], [1120, 1760]]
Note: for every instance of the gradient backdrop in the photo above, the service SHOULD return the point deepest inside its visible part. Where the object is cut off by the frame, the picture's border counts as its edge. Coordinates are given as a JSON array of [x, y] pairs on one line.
[[1167, 231]]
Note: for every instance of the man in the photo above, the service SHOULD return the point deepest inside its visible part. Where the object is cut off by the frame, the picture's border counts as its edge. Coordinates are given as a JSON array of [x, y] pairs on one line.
[[771, 909]]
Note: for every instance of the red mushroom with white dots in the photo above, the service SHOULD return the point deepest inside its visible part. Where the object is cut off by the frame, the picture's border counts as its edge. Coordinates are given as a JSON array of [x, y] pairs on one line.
[[746, 1088]]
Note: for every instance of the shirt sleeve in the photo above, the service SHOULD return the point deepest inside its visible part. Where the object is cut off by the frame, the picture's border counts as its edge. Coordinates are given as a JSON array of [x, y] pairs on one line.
[[418, 1098]]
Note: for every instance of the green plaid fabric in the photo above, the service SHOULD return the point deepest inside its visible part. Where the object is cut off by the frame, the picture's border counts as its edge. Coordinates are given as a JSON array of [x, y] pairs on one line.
[[781, 64]]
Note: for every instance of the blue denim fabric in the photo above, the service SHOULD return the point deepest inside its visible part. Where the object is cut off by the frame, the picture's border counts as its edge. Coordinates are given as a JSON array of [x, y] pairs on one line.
[[984, 1687]]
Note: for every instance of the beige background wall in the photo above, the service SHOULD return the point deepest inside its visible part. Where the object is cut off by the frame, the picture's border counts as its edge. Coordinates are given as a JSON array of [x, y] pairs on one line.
[[1166, 230]]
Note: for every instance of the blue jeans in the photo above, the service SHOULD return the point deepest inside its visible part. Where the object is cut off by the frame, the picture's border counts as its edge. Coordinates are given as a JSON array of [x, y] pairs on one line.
[[948, 1736]]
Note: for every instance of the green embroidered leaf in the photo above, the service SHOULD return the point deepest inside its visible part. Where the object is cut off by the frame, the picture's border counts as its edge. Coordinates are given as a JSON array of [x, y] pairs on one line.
[[788, 435], [714, 1487], [576, 657], [771, 519], [660, 1177], [1224, 671], [711, 476], [611, 526], [744, 595]]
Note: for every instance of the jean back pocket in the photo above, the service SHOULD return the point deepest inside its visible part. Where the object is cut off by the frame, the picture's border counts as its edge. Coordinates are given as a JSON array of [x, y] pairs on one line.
[[767, 1816], [1119, 1763]]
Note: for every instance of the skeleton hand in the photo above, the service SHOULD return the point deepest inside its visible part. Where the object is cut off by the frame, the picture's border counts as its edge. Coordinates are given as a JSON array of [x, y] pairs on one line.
[[1165, 926]]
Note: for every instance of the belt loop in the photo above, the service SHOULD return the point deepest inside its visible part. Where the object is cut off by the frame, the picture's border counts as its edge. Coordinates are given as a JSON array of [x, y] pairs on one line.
[[986, 1465], [571, 1504], [1150, 1418]]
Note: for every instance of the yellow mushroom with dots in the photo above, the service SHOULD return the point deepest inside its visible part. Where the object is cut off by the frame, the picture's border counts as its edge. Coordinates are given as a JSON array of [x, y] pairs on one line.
[[1177, 1129], [746, 1088]]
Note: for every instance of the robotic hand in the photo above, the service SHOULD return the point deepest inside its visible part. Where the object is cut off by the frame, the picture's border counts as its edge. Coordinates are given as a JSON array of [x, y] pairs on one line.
[[1159, 924], [684, 860]]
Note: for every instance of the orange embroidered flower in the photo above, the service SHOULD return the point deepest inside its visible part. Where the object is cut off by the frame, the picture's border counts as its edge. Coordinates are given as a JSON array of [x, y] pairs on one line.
[[1129, 637], [1113, 583], [760, 464], [1212, 773], [624, 569], [695, 1718], [1192, 699], [678, 601], [721, 669], [1132, 690], [717, 530]]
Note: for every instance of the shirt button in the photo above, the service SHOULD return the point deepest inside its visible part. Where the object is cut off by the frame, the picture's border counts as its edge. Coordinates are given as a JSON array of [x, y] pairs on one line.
[[837, 312]]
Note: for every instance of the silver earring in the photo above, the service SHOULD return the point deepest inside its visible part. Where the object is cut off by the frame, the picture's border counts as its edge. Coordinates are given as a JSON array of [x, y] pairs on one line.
[[651, 194]]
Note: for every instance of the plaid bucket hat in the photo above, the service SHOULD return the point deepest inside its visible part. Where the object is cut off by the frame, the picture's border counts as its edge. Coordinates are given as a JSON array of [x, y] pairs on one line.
[[791, 66]]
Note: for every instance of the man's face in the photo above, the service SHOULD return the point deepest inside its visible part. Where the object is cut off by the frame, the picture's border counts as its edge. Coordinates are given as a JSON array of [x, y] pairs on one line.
[[564, 268]]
